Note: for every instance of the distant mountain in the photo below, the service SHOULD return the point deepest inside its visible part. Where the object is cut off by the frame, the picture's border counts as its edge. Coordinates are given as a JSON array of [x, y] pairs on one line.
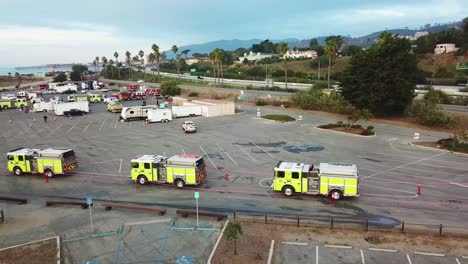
[[364, 41]]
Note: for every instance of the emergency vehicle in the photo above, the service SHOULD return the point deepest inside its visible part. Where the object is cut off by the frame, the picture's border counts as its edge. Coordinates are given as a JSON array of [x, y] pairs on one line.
[[114, 107], [332, 179], [47, 161], [180, 170], [14, 103], [94, 98]]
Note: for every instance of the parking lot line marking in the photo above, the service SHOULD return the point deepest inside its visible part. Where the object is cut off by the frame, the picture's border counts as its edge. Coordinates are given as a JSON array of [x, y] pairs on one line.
[[120, 168], [243, 150], [261, 182], [388, 189], [72, 127], [429, 254], [183, 151], [458, 262], [464, 257], [206, 154], [409, 259], [316, 254], [116, 122], [384, 250], [270, 255], [338, 246], [220, 147], [231, 159], [404, 165], [295, 243], [263, 150], [362, 257], [102, 124]]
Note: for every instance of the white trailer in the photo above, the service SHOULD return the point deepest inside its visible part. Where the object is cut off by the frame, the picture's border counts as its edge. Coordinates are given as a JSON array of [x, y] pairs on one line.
[[186, 110], [43, 106], [136, 112], [65, 88], [159, 115], [83, 106]]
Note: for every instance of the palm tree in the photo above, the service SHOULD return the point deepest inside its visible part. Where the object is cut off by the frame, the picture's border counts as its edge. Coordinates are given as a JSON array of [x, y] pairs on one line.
[[330, 50], [97, 63], [129, 61], [104, 62], [157, 57], [219, 55], [175, 49], [282, 49], [116, 55], [151, 59], [141, 53], [18, 79], [135, 60], [213, 60], [111, 62], [9, 77]]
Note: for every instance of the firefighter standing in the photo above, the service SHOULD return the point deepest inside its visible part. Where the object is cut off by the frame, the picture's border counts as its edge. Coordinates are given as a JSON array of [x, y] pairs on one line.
[[45, 119]]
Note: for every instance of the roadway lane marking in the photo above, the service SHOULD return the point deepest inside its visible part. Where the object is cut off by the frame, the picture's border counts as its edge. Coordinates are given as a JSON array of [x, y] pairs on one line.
[[362, 257], [72, 127], [55, 130], [404, 165], [102, 124], [206, 154], [263, 150], [243, 150]]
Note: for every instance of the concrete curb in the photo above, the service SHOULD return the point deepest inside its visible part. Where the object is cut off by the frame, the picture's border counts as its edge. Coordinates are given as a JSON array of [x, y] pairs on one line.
[[337, 246], [438, 149], [349, 134], [295, 243], [272, 248], [429, 254], [383, 250], [217, 243]]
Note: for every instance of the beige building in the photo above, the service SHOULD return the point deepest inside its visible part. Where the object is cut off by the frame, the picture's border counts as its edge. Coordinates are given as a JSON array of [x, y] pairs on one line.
[[296, 54], [445, 48]]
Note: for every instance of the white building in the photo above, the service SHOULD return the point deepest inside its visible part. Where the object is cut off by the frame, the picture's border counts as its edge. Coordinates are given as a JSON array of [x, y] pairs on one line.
[[254, 56], [445, 48], [416, 35], [296, 54]]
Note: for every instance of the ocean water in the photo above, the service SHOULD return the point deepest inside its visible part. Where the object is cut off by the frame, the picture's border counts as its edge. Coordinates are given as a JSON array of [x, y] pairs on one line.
[[5, 70]]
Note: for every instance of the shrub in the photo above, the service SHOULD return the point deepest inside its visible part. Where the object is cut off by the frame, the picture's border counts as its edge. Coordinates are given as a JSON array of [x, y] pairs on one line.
[[111, 84], [261, 102], [340, 123], [356, 126], [170, 88], [452, 144], [368, 132], [464, 90], [316, 99], [331, 125], [431, 114], [286, 104], [321, 85], [61, 77], [249, 87], [437, 96], [370, 128], [193, 94]]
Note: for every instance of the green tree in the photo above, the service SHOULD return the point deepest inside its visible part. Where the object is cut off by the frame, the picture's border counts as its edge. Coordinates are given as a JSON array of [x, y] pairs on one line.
[[141, 53], [9, 77], [151, 59], [213, 59], [104, 64], [437, 96], [61, 77], [170, 88], [75, 76], [185, 53], [282, 48], [232, 232], [352, 50], [357, 115], [314, 45], [97, 63], [330, 50], [111, 63], [175, 49], [382, 78], [116, 55], [157, 58]]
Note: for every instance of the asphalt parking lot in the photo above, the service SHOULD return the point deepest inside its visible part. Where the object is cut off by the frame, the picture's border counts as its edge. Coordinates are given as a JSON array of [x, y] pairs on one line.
[[248, 148]]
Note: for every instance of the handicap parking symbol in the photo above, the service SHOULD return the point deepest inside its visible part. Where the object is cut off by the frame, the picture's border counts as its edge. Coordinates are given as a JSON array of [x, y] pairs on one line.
[[184, 260]]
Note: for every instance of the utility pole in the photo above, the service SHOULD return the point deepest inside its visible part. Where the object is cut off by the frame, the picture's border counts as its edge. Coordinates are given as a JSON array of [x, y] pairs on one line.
[[318, 75]]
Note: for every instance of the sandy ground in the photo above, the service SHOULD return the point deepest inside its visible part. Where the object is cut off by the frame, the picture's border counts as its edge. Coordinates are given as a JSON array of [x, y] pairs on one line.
[[42, 252], [254, 244], [24, 83]]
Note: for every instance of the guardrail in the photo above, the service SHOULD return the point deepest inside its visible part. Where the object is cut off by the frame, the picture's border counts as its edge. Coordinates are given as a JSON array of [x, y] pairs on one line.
[[83, 205], [354, 223], [12, 199], [186, 213], [109, 206]]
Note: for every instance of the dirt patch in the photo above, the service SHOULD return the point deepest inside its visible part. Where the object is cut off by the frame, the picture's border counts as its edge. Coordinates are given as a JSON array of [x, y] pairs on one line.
[[257, 237], [430, 144], [42, 252]]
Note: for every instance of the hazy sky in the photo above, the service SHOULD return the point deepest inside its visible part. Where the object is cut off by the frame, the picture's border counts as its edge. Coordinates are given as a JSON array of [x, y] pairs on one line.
[[49, 31]]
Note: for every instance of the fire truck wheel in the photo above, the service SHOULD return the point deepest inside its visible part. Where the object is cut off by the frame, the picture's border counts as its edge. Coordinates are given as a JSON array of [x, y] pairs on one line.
[[17, 171], [288, 190], [179, 183], [142, 180], [48, 173], [336, 194], [5, 107]]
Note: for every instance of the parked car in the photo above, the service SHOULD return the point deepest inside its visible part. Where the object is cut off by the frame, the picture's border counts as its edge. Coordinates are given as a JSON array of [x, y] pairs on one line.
[[189, 127], [73, 112]]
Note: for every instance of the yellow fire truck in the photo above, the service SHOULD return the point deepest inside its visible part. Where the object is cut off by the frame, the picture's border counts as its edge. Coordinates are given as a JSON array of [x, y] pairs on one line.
[[180, 170], [332, 179], [48, 161], [114, 107], [16, 103]]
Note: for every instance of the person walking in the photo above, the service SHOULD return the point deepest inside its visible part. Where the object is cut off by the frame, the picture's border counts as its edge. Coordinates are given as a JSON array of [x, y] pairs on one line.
[[45, 119]]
